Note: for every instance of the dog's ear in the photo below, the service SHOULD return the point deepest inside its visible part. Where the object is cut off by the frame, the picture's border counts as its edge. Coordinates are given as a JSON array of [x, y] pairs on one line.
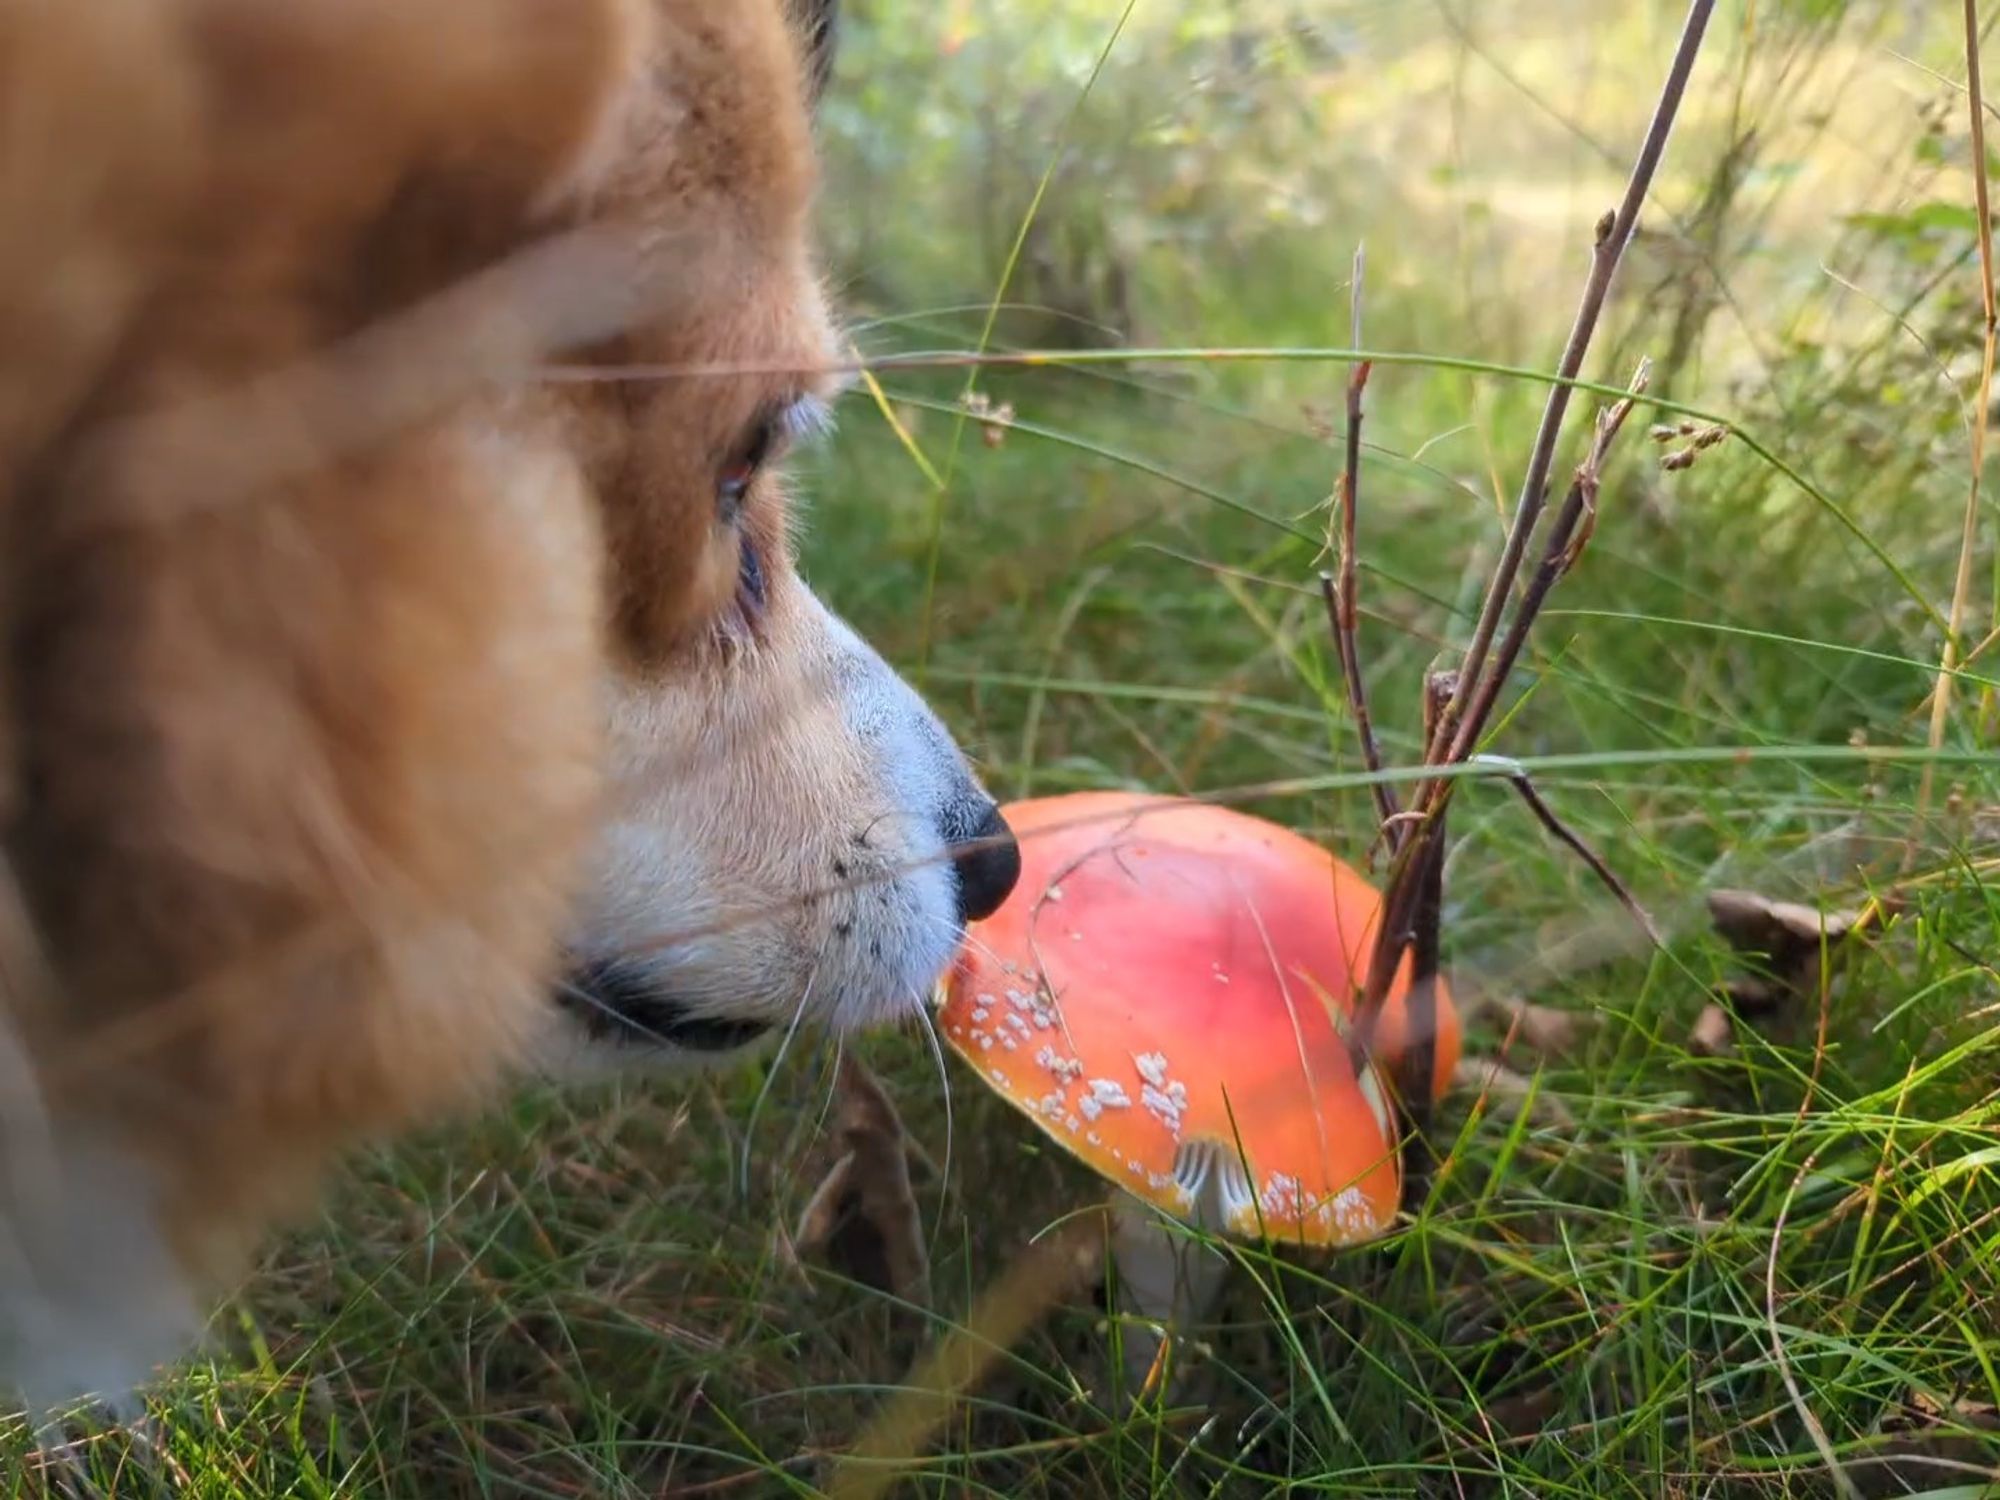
[[818, 25]]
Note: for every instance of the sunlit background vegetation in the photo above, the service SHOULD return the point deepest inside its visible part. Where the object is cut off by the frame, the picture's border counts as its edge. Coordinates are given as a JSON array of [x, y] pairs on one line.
[[595, 1296]]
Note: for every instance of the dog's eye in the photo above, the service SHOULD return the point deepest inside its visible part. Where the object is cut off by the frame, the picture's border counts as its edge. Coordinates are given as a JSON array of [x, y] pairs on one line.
[[775, 430], [741, 472]]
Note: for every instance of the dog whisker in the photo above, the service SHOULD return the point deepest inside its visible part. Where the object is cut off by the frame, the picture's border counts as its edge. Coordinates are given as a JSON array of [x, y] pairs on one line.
[[944, 1089], [832, 1089], [978, 946], [777, 1062], [809, 1127], [960, 935]]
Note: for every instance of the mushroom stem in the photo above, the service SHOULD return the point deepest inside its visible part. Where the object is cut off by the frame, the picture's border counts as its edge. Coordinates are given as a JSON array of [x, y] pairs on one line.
[[1167, 1281]]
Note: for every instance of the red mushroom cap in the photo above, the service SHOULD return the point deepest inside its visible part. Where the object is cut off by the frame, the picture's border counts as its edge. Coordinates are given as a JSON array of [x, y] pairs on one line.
[[1166, 995]]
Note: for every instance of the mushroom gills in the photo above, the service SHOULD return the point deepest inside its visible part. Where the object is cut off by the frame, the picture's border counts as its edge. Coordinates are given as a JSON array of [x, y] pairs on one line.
[[1218, 1188]]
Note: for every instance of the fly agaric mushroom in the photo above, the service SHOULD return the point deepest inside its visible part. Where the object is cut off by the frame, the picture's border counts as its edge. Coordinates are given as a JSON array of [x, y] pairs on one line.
[[1166, 995]]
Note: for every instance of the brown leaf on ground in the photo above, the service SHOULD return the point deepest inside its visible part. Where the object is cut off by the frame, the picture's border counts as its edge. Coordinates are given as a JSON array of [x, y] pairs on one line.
[[1930, 1409], [1492, 1078], [862, 1219], [1546, 1030], [1713, 1032]]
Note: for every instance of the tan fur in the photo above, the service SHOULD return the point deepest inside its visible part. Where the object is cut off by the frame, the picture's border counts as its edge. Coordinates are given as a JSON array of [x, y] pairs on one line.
[[308, 654]]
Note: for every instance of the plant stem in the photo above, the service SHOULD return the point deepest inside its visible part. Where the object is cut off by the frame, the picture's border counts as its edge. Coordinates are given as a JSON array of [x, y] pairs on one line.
[[1450, 740], [1567, 536], [1343, 597], [1416, 1073], [1613, 233], [1574, 841]]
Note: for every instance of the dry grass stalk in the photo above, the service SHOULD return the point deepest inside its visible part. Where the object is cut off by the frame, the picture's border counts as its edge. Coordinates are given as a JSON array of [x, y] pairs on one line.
[[1410, 899], [1343, 595]]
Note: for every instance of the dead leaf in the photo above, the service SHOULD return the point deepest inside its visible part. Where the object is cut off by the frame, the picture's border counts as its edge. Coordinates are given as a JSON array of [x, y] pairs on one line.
[[862, 1220], [1714, 1032], [1927, 1406], [1546, 1030], [1489, 1076]]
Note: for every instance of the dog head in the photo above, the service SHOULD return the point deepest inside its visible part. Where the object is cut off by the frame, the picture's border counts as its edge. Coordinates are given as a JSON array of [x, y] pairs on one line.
[[369, 679], [792, 834], [794, 837]]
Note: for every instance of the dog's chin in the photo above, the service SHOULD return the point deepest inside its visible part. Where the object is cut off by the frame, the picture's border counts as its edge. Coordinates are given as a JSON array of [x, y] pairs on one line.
[[624, 1012], [621, 1007], [872, 958]]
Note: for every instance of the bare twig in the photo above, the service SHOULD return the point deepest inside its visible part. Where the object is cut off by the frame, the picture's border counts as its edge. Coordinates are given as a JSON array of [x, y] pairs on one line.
[[1416, 1082], [1451, 739], [1518, 779], [1573, 526], [1613, 232], [1969, 531], [1404, 893], [1343, 596], [1340, 616]]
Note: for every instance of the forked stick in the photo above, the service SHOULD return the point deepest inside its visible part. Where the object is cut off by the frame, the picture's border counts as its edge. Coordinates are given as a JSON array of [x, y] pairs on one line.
[[1458, 730], [1407, 901], [1410, 907]]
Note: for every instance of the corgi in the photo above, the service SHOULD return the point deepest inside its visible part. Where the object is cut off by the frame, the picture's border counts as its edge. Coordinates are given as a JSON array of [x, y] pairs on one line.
[[392, 707]]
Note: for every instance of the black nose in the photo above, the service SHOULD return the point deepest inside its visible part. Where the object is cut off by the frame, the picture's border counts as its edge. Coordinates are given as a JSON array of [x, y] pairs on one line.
[[988, 866]]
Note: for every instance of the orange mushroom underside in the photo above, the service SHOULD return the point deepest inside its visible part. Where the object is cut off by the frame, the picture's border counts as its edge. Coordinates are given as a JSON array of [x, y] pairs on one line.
[[1166, 995]]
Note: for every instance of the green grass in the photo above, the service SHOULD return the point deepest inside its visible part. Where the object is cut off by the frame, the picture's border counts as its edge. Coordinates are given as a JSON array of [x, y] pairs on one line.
[[581, 1298]]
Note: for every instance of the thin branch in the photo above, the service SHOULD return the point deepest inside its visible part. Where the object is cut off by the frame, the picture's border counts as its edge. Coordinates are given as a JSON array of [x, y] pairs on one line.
[[1573, 526], [1343, 596], [1518, 779], [1340, 614], [1416, 1081], [1403, 893], [1450, 740], [1613, 233]]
